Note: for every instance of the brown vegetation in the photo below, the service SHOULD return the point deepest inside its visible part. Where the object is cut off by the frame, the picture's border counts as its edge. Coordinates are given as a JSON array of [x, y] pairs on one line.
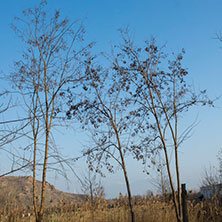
[[146, 209]]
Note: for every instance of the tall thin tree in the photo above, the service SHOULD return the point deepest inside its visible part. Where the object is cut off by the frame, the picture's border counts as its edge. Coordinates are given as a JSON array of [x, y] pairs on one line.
[[159, 87], [50, 68], [106, 114]]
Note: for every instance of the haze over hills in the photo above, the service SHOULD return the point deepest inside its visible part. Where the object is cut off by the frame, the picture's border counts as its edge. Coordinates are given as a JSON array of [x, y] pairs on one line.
[[17, 190]]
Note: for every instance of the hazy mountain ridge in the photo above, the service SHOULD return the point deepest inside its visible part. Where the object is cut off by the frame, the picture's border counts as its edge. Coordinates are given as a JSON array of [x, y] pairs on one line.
[[17, 190]]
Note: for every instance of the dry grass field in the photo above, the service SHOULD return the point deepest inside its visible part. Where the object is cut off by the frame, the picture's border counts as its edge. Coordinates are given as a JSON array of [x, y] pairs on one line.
[[146, 210]]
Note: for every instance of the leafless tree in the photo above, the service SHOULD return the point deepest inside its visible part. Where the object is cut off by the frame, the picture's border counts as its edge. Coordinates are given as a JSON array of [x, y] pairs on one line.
[[50, 68], [161, 181], [91, 186], [105, 113], [212, 175], [219, 157], [160, 89]]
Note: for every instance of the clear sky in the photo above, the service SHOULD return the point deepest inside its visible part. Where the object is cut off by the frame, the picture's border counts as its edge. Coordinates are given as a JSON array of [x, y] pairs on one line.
[[189, 24]]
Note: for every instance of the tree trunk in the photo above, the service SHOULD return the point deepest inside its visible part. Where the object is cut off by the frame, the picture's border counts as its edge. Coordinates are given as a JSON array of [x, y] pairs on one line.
[[34, 181], [42, 204], [178, 186], [127, 186], [39, 217], [124, 172]]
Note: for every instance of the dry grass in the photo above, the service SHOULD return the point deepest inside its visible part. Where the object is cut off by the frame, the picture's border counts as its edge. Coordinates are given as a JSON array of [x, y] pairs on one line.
[[152, 210]]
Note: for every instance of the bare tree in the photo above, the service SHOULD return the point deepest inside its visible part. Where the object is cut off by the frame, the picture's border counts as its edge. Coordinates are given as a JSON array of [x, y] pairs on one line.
[[50, 69], [219, 157], [91, 186], [105, 113], [161, 181], [163, 96], [212, 175]]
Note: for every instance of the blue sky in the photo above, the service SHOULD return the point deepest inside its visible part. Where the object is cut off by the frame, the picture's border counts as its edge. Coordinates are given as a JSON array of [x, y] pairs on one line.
[[189, 24]]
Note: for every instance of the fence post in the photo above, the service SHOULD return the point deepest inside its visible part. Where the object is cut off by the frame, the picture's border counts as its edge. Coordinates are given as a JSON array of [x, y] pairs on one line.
[[184, 203]]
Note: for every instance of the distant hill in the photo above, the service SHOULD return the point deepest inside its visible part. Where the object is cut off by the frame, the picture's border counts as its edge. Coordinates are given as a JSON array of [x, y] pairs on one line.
[[17, 191]]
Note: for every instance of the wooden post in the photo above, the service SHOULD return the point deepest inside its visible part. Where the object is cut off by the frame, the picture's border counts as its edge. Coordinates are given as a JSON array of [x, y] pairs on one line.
[[184, 203]]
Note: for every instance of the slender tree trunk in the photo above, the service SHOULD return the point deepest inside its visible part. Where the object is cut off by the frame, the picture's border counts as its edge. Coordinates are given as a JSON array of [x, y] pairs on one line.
[[39, 217], [34, 180], [125, 176], [178, 187], [174, 136], [35, 129], [47, 130], [166, 157], [42, 204], [172, 187], [127, 186], [176, 199], [123, 165]]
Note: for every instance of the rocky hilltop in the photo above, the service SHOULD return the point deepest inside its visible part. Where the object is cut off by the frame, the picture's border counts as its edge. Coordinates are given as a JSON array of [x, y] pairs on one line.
[[17, 190]]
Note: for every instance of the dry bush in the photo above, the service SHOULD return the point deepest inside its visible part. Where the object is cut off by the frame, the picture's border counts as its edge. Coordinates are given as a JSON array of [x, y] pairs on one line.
[[116, 210]]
